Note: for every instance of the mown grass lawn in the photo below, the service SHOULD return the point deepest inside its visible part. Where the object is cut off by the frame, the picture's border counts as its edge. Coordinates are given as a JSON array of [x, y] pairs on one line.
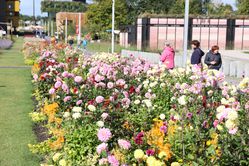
[[15, 104], [105, 46]]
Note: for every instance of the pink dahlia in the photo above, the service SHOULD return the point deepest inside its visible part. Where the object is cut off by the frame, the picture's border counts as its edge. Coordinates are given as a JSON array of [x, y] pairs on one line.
[[110, 85], [104, 134], [102, 147], [57, 84], [65, 74], [215, 123], [104, 115], [78, 102], [67, 98], [113, 161], [124, 144], [52, 91], [35, 77], [233, 131], [99, 99], [78, 79]]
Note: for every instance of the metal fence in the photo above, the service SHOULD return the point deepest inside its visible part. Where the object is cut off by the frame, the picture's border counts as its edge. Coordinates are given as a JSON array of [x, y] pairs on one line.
[[227, 33]]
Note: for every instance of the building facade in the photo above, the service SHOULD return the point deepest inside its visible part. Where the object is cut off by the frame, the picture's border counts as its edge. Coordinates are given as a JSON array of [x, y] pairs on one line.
[[9, 12]]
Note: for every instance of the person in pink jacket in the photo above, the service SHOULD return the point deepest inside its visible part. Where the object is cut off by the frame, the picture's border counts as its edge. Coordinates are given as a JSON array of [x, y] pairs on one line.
[[168, 56]]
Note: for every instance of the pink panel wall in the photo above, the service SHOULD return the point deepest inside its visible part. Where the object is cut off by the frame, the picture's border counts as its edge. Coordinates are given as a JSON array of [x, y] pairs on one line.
[[179, 38], [246, 39], [153, 37], [213, 36], [204, 37], [238, 38], [196, 33], [139, 34], [222, 38], [162, 37]]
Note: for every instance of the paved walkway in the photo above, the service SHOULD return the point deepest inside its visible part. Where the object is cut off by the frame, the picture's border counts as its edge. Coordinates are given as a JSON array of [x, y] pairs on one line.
[[15, 104]]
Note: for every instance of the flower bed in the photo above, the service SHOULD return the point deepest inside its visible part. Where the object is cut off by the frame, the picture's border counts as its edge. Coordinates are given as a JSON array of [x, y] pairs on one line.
[[5, 43], [111, 110]]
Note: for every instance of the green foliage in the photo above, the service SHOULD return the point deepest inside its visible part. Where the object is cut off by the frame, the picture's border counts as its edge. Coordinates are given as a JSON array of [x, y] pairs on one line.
[[178, 7], [51, 6], [100, 15], [220, 9], [243, 7]]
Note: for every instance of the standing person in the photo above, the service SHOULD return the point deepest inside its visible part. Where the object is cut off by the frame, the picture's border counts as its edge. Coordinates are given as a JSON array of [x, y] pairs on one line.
[[213, 58], [197, 53], [168, 56], [84, 43]]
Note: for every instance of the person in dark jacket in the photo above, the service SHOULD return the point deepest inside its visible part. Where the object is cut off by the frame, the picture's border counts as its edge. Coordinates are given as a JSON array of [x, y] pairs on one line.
[[197, 53], [213, 58]]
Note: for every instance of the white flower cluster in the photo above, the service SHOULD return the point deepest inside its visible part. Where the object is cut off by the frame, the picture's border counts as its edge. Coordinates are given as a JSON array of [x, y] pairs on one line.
[[230, 116]]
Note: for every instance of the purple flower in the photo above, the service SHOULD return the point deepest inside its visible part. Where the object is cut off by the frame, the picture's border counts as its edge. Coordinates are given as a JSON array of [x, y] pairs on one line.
[[98, 78], [78, 102], [163, 129], [150, 152], [113, 161], [78, 79], [52, 91], [65, 88], [124, 144], [204, 124], [67, 98], [57, 84], [99, 99], [102, 147], [189, 115], [104, 134], [65, 74]]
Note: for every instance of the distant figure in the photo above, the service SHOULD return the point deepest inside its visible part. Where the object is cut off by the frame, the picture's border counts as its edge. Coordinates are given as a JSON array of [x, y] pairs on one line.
[[168, 56], [84, 43], [95, 37], [213, 58], [197, 53], [70, 41]]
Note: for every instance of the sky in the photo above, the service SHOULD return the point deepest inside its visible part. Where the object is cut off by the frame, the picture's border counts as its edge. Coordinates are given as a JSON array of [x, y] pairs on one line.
[[27, 6]]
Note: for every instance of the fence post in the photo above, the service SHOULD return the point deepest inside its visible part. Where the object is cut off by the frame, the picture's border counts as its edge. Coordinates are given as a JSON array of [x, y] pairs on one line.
[[230, 34], [145, 32]]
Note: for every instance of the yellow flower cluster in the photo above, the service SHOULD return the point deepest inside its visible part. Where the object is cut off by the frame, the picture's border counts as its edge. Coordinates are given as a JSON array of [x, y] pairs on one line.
[[155, 137], [50, 110], [214, 142], [119, 155], [35, 68]]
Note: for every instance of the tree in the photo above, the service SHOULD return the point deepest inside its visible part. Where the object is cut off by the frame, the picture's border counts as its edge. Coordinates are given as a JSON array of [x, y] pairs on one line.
[[196, 7], [220, 9], [243, 7], [99, 15]]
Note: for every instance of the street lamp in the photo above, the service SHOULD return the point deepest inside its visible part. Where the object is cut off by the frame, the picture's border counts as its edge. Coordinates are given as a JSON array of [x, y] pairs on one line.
[[113, 23], [185, 45], [34, 11]]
